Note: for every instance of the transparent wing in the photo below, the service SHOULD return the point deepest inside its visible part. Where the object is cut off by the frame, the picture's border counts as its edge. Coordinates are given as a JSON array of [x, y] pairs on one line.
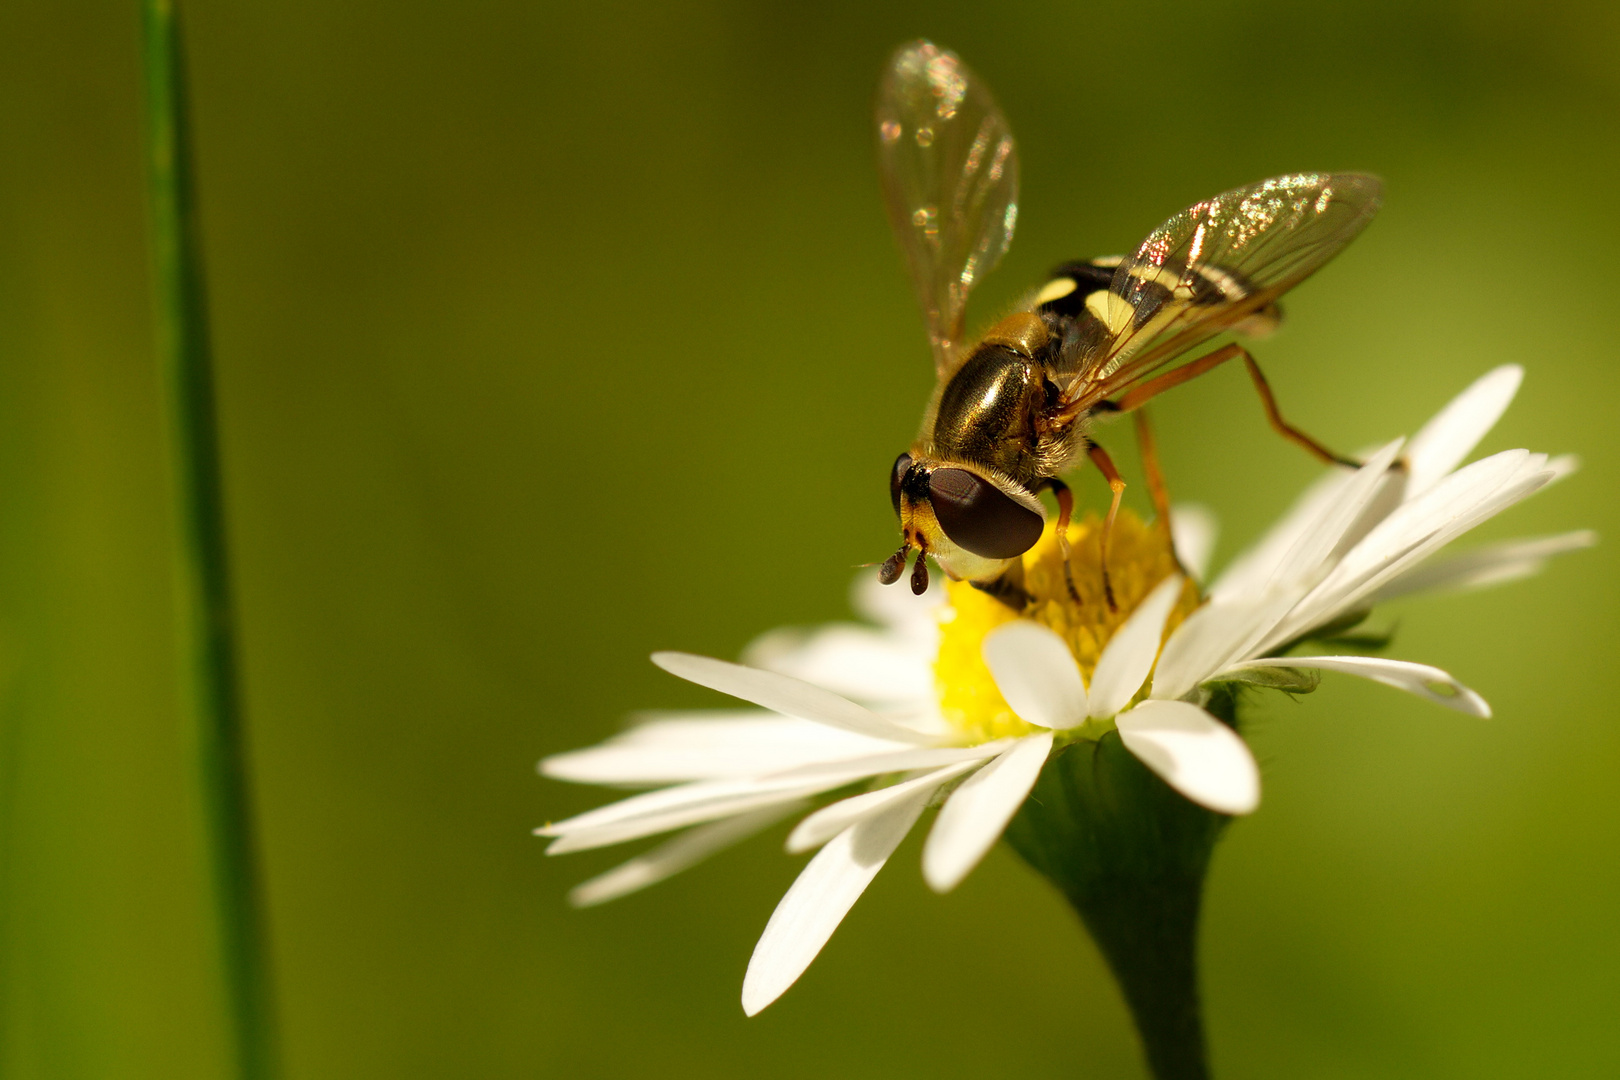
[[950, 181], [1209, 268]]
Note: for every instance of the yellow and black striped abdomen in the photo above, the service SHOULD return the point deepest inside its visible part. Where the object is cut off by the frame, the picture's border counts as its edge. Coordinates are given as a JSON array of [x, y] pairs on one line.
[[1086, 308]]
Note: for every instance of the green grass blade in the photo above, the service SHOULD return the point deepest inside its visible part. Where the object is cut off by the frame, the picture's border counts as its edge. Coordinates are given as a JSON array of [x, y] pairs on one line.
[[208, 622]]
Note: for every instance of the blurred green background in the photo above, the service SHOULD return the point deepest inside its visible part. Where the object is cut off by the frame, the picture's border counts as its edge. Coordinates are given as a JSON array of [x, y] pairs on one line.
[[523, 314]]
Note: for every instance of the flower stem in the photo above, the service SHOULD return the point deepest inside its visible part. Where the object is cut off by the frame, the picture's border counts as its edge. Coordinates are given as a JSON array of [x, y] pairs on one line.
[[1130, 855], [208, 623]]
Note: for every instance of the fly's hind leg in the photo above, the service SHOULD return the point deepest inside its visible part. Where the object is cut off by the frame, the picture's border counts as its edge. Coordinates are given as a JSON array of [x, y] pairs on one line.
[[1151, 389], [1283, 427]]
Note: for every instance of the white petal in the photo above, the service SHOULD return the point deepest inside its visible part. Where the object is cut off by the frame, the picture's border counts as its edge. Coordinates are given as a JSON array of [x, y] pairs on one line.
[[1516, 490], [1413, 532], [1361, 595], [897, 761], [924, 720], [1426, 682], [1304, 561], [668, 859], [1129, 654], [1194, 753], [709, 746], [689, 804], [972, 819], [898, 609], [1492, 564], [792, 697], [1209, 639], [855, 661], [1563, 465], [1193, 529], [821, 897], [1447, 439], [1036, 673], [833, 819], [1249, 572]]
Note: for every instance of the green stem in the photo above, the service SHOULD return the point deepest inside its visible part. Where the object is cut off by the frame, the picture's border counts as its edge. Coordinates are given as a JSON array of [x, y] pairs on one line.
[[1130, 855], [208, 624]]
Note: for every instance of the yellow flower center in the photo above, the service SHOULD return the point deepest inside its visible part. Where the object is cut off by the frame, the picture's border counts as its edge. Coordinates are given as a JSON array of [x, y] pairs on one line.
[[1139, 558]]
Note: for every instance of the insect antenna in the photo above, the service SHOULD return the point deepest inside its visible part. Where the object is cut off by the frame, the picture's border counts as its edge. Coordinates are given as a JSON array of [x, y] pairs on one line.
[[889, 573], [919, 573]]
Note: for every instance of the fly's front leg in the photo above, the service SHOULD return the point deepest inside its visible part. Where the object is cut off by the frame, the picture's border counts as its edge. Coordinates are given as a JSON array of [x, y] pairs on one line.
[[1008, 588], [1116, 484], [1065, 501]]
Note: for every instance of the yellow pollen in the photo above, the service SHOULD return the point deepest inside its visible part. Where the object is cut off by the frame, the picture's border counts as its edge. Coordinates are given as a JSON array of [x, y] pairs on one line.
[[1139, 558]]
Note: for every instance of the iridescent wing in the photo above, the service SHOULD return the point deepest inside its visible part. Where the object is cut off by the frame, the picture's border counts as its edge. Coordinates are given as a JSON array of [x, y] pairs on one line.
[[950, 182], [1210, 268]]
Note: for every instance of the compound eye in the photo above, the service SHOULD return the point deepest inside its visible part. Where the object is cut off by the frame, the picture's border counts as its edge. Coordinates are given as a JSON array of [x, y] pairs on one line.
[[981, 518], [902, 465]]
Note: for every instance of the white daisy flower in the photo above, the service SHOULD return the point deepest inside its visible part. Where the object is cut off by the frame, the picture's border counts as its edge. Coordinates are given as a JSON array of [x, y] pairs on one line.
[[960, 704]]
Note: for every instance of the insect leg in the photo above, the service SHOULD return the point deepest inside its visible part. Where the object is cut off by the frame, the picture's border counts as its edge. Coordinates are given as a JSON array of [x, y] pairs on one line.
[[1146, 392], [1065, 501], [1283, 427], [1116, 484], [1151, 389], [1008, 591], [1151, 471], [1154, 476]]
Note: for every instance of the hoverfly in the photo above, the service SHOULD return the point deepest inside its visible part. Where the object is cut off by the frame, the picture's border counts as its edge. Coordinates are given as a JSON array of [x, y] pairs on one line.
[[1015, 407]]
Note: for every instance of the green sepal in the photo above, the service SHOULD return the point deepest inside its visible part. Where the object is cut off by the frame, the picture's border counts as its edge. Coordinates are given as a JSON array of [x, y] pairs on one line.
[[1288, 680], [1130, 854], [1336, 627], [1337, 635], [1370, 641]]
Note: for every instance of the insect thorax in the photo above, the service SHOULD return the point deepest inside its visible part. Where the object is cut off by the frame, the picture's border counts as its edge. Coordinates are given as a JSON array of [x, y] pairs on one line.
[[987, 411]]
